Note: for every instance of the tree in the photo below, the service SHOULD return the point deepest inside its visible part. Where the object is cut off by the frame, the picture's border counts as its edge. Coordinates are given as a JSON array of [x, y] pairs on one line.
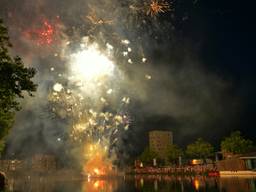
[[15, 79], [200, 149], [147, 156], [173, 153], [236, 144]]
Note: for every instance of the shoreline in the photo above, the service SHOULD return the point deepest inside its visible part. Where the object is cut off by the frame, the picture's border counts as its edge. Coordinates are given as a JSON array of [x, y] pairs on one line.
[[237, 173]]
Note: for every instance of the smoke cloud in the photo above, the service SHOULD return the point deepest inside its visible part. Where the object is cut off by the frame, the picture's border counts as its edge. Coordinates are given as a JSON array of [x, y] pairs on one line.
[[167, 85]]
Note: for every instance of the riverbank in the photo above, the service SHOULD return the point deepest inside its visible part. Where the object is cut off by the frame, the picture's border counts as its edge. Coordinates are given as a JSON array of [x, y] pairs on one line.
[[208, 170], [238, 173]]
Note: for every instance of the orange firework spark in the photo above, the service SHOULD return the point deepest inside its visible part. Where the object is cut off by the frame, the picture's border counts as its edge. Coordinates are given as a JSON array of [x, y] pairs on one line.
[[156, 7], [92, 17], [97, 163]]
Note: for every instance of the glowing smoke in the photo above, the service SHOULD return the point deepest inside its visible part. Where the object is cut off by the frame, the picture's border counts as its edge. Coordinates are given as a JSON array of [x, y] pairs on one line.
[[109, 87]]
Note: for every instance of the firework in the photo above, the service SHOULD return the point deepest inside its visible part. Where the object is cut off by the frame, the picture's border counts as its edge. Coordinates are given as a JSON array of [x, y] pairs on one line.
[[156, 7], [125, 41], [148, 77], [82, 103], [97, 162], [92, 80], [92, 17], [63, 103], [57, 87], [46, 33], [91, 64]]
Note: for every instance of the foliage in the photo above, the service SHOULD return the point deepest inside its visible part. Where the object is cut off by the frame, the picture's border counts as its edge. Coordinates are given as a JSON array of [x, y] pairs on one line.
[[174, 152], [200, 149], [15, 78], [236, 144], [147, 156]]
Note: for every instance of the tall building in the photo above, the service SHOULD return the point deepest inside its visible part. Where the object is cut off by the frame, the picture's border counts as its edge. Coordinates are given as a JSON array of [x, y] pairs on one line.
[[159, 141]]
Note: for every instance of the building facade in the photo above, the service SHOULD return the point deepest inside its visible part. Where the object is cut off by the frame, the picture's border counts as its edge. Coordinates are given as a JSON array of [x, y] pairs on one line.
[[245, 162], [159, 142], [43, 163], [38, 163]]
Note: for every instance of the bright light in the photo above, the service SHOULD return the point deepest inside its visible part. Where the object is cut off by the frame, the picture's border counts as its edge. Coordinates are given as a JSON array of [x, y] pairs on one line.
[[97, 171], [96, 184], [197, 184], [57, 87], [91, 64]]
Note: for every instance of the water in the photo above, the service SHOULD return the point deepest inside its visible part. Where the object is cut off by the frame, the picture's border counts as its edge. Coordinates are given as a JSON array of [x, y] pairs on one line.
[[148, 183]]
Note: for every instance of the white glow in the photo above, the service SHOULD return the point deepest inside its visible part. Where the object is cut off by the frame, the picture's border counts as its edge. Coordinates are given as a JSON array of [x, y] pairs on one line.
[[91, 64], [144, 60], [125, 41], [57, 87]]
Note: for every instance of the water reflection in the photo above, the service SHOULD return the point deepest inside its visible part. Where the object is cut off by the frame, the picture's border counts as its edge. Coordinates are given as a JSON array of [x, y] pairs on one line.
[[166, 183], [144, 183], [97, 185], [236, 184]]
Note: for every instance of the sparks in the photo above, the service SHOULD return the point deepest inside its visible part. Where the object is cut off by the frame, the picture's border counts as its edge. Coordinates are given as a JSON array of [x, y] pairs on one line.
[[91, 64], [92, 17], [156, 7], [57, 87], [45, 34]]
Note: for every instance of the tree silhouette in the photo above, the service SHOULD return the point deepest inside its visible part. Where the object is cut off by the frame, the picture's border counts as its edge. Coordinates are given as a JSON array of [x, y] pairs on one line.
[[15, 79]]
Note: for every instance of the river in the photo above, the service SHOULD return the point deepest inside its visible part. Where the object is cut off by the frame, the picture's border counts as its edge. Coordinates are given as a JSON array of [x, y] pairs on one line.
[[146, 183]]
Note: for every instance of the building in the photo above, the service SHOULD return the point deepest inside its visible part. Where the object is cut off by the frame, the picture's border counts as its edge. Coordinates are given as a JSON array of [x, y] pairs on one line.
[[12, 165], [238, 165], [43, 163], [249, 160], [159, 142], [38, 163]]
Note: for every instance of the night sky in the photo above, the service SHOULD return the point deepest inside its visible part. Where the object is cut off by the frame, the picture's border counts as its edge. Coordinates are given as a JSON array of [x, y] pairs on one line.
[[202, 58], [226, 36], [218, 34]]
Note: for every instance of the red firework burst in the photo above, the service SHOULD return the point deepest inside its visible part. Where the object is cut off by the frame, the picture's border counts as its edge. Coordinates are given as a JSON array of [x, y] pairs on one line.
[[46, 32]]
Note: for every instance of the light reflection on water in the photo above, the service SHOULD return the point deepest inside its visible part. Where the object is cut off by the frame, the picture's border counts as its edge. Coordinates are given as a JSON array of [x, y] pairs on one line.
[[144, 183]]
